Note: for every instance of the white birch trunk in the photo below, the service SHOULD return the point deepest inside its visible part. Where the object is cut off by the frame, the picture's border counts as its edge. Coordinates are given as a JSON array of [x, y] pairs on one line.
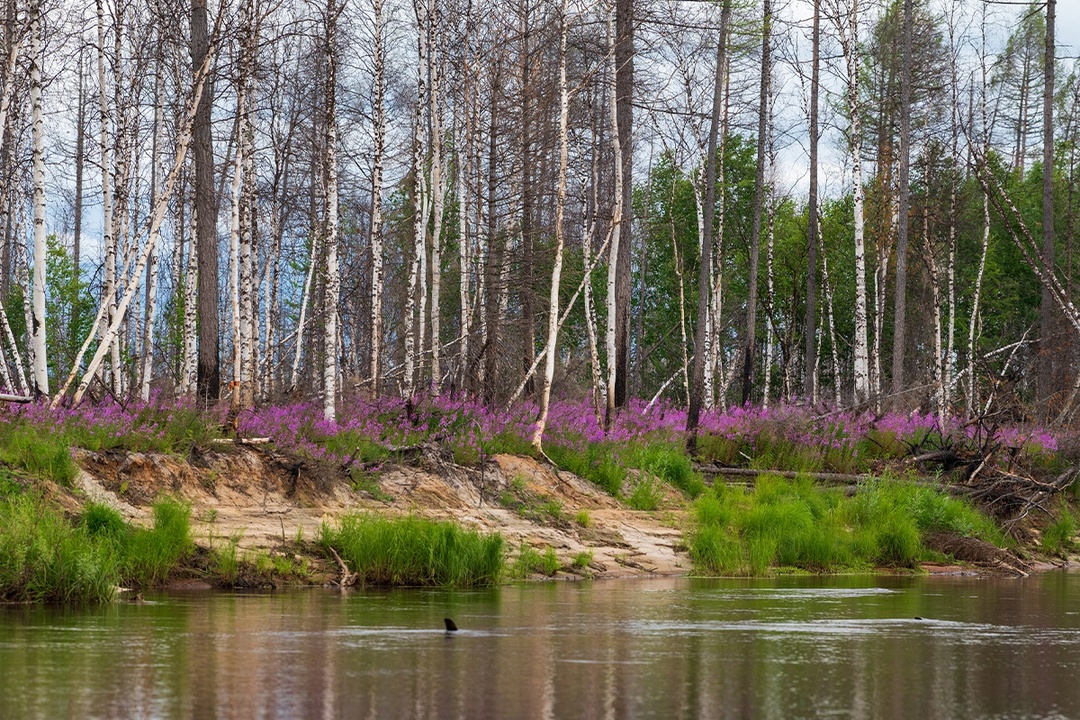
[[616, 221], [234, 258], [710, 335], [588, 228], [190, 362], [829, 308], [301, 325], [438, 190], [108, 297], [556, 271], [935, 295], [379, 111], [333, 274], [682, 292], [849, 37], [146, 373], [246, 145], [464, 254], [41, 367]]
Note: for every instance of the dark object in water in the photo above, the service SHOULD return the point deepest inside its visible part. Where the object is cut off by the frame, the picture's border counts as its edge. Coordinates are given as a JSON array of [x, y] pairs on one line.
[[919, 618], [450, 626]]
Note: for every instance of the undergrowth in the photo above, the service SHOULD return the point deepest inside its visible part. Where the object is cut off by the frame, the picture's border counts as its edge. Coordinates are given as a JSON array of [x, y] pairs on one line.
[[44, 557], [414, 551], [794, 524]]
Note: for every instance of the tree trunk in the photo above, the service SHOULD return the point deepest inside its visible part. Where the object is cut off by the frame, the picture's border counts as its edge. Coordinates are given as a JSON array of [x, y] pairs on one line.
[[903, 211], [333, 274], [146, 373], [556, 271], [624, 154], [1047, 382], [849, 36], [209, 370], [759, 202], [41, 366], [379, 121], [810, 326], [438, 191], [617, 217], [697, 384]]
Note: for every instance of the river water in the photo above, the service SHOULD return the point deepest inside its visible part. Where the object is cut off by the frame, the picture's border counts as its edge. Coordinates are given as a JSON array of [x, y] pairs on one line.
[[853, 647]]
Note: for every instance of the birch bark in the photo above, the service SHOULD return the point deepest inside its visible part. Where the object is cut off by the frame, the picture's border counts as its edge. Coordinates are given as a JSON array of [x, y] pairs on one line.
[[556, 271], [40, 367]]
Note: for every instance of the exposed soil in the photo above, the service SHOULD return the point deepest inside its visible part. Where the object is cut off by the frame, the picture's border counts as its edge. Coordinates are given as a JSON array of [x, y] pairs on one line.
[[272, 501], [269, 500]]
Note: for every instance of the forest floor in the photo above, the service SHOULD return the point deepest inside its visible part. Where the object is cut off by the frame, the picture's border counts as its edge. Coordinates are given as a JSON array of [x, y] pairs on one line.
[[274, 502]]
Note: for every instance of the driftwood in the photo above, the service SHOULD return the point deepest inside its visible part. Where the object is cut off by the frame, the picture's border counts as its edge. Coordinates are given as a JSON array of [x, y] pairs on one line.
[[348, 579]]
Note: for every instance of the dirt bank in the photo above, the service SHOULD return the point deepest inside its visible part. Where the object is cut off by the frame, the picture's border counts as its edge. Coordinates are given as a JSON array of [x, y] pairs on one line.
[[269, 500]]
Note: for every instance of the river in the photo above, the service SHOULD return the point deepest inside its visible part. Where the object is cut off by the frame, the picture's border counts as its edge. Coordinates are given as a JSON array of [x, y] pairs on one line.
[[853, 647]]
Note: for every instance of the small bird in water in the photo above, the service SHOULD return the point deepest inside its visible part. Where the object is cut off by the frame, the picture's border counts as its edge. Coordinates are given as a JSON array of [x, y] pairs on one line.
[[450, 625]]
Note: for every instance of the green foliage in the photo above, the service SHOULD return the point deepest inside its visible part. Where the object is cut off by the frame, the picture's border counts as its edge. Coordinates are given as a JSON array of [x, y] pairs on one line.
[[782, 523], [670, 463], [152, 554], [582, 559], [69, 307], [582, 518], [531, 562], [596, 462], [366, 482], [415, 551], [1059, 537], [43, 558], [647, 493], [43, 454]]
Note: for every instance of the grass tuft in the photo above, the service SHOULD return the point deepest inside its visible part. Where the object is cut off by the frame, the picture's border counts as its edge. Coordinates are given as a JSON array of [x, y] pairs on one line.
[[785, 523], [415, 551]]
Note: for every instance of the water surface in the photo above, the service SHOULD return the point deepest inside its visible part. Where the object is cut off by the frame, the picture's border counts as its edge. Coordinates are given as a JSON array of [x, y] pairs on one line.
[[664, 648]]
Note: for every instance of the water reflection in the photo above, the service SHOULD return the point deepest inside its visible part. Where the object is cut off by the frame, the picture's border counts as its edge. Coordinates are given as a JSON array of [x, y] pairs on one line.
[[795, 647]]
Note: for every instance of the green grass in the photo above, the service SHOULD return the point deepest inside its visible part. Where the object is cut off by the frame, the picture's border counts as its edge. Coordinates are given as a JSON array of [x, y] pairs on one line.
[[415, 551], [44, 558], [647, 493], [1058, 537], [583, 519], [532, 562], [151, 554], [670, 463], [582, 559], [792, 523], [43, 454], [366, 482], [596, 462]]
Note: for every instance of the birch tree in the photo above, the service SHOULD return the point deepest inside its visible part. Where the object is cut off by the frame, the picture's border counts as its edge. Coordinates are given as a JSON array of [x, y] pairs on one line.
[[560, 207], [846, 18], [378, 151], [697, 385], [759, 205], [617, 217], [333, 274], [41, 367]]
